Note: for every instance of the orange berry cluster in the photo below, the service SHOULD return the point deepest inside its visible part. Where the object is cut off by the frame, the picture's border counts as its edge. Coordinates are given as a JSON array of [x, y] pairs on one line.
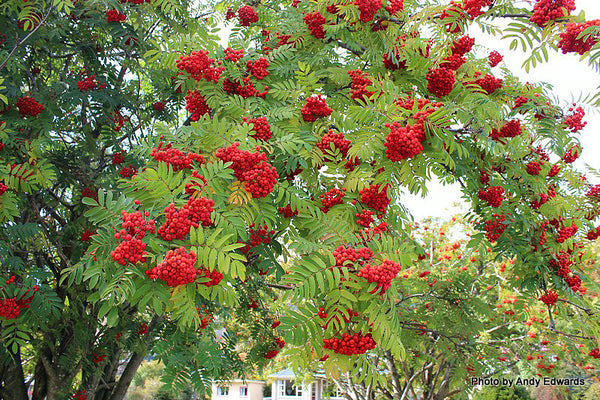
[[133, 229], [262, 129], [383, 274], [177, 268], [364, 218], [350, 345], [375, 197], [359, 83], [315, 108], [493, 195], [174, 157], [198, 64], [196, 105], [258, 68], [29, 107]]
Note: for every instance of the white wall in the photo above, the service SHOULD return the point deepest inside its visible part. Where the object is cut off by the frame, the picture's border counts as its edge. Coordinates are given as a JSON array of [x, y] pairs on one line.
[[255, 391]]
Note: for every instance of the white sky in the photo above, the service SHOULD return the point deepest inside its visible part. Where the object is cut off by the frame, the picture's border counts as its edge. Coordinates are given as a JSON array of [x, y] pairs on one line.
[[569, 77]]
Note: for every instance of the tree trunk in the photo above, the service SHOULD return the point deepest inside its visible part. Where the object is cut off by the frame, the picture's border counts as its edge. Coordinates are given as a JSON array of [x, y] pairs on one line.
[[13, 380]]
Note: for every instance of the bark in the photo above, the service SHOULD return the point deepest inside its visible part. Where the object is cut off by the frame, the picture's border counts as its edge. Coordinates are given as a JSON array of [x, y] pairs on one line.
[[12, 380], [41, 382]]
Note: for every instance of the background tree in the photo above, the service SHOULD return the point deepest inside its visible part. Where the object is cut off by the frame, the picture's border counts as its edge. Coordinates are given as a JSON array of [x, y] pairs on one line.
[[282, 183]]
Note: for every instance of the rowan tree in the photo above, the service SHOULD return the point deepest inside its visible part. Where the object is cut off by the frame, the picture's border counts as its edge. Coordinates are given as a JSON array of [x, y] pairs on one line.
[[145, 230]]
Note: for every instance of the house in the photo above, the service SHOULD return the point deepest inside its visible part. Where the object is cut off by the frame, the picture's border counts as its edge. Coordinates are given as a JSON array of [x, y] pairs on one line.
[[238, 390], [284, 387]]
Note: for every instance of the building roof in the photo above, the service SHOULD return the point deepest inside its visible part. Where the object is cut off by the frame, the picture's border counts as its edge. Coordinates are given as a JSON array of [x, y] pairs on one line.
[[283, 374], [239, 381]]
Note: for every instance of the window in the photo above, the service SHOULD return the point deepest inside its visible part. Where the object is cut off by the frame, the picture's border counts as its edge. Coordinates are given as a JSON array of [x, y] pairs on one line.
[[222, 391], [288, 389], [243, 391]]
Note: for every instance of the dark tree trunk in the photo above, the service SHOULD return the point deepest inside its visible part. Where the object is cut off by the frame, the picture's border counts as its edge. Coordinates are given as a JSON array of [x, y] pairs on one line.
[[12, 379]]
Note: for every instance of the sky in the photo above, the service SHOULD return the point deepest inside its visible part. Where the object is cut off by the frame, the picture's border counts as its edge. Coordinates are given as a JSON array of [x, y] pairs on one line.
[[569, 78]]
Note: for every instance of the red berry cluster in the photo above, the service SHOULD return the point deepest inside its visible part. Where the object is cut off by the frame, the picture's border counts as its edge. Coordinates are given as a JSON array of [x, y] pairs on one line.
[[198, 64], [495, 58], [595, 352], [159, 106], [177, 268], [287, 211], [179, 222], [98, 356], [359, 83], [571, 43], [259, 176], [79, 395], [562, 266], [453, 62], [572, 154], [364, 218], [510, 129], [331, 198], [549, 298], [315, 21], [3, 188], [9, 308], [440, 81], [233, 55], [574, 121], [29, 107], [544, 197], [425, 107], [230, 14], [547, 10], [566, 232], [594, 192], [259, 236], [350, 345], [489, 84], [174, 157], [462, 45], [375, 197], [247, 15], [133, 230], [534, 167], [258, 68], [395, 6], [197, 182], [115, 16], [214, 276], [86, 235], [493, 195], [495, 227], [196, 105], [520, 101], [135, 1], [359, 255], [89, 83], [89, 192], [404, 141], [143, 329], [594, 233], [118, 158], [280, 343], [315, 108], [388, 60], [383, 274], [473, 7], [245, 88], [128, 172], [338, 140], [261, 128], [484, 177], [207, 318], [367, 8]]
